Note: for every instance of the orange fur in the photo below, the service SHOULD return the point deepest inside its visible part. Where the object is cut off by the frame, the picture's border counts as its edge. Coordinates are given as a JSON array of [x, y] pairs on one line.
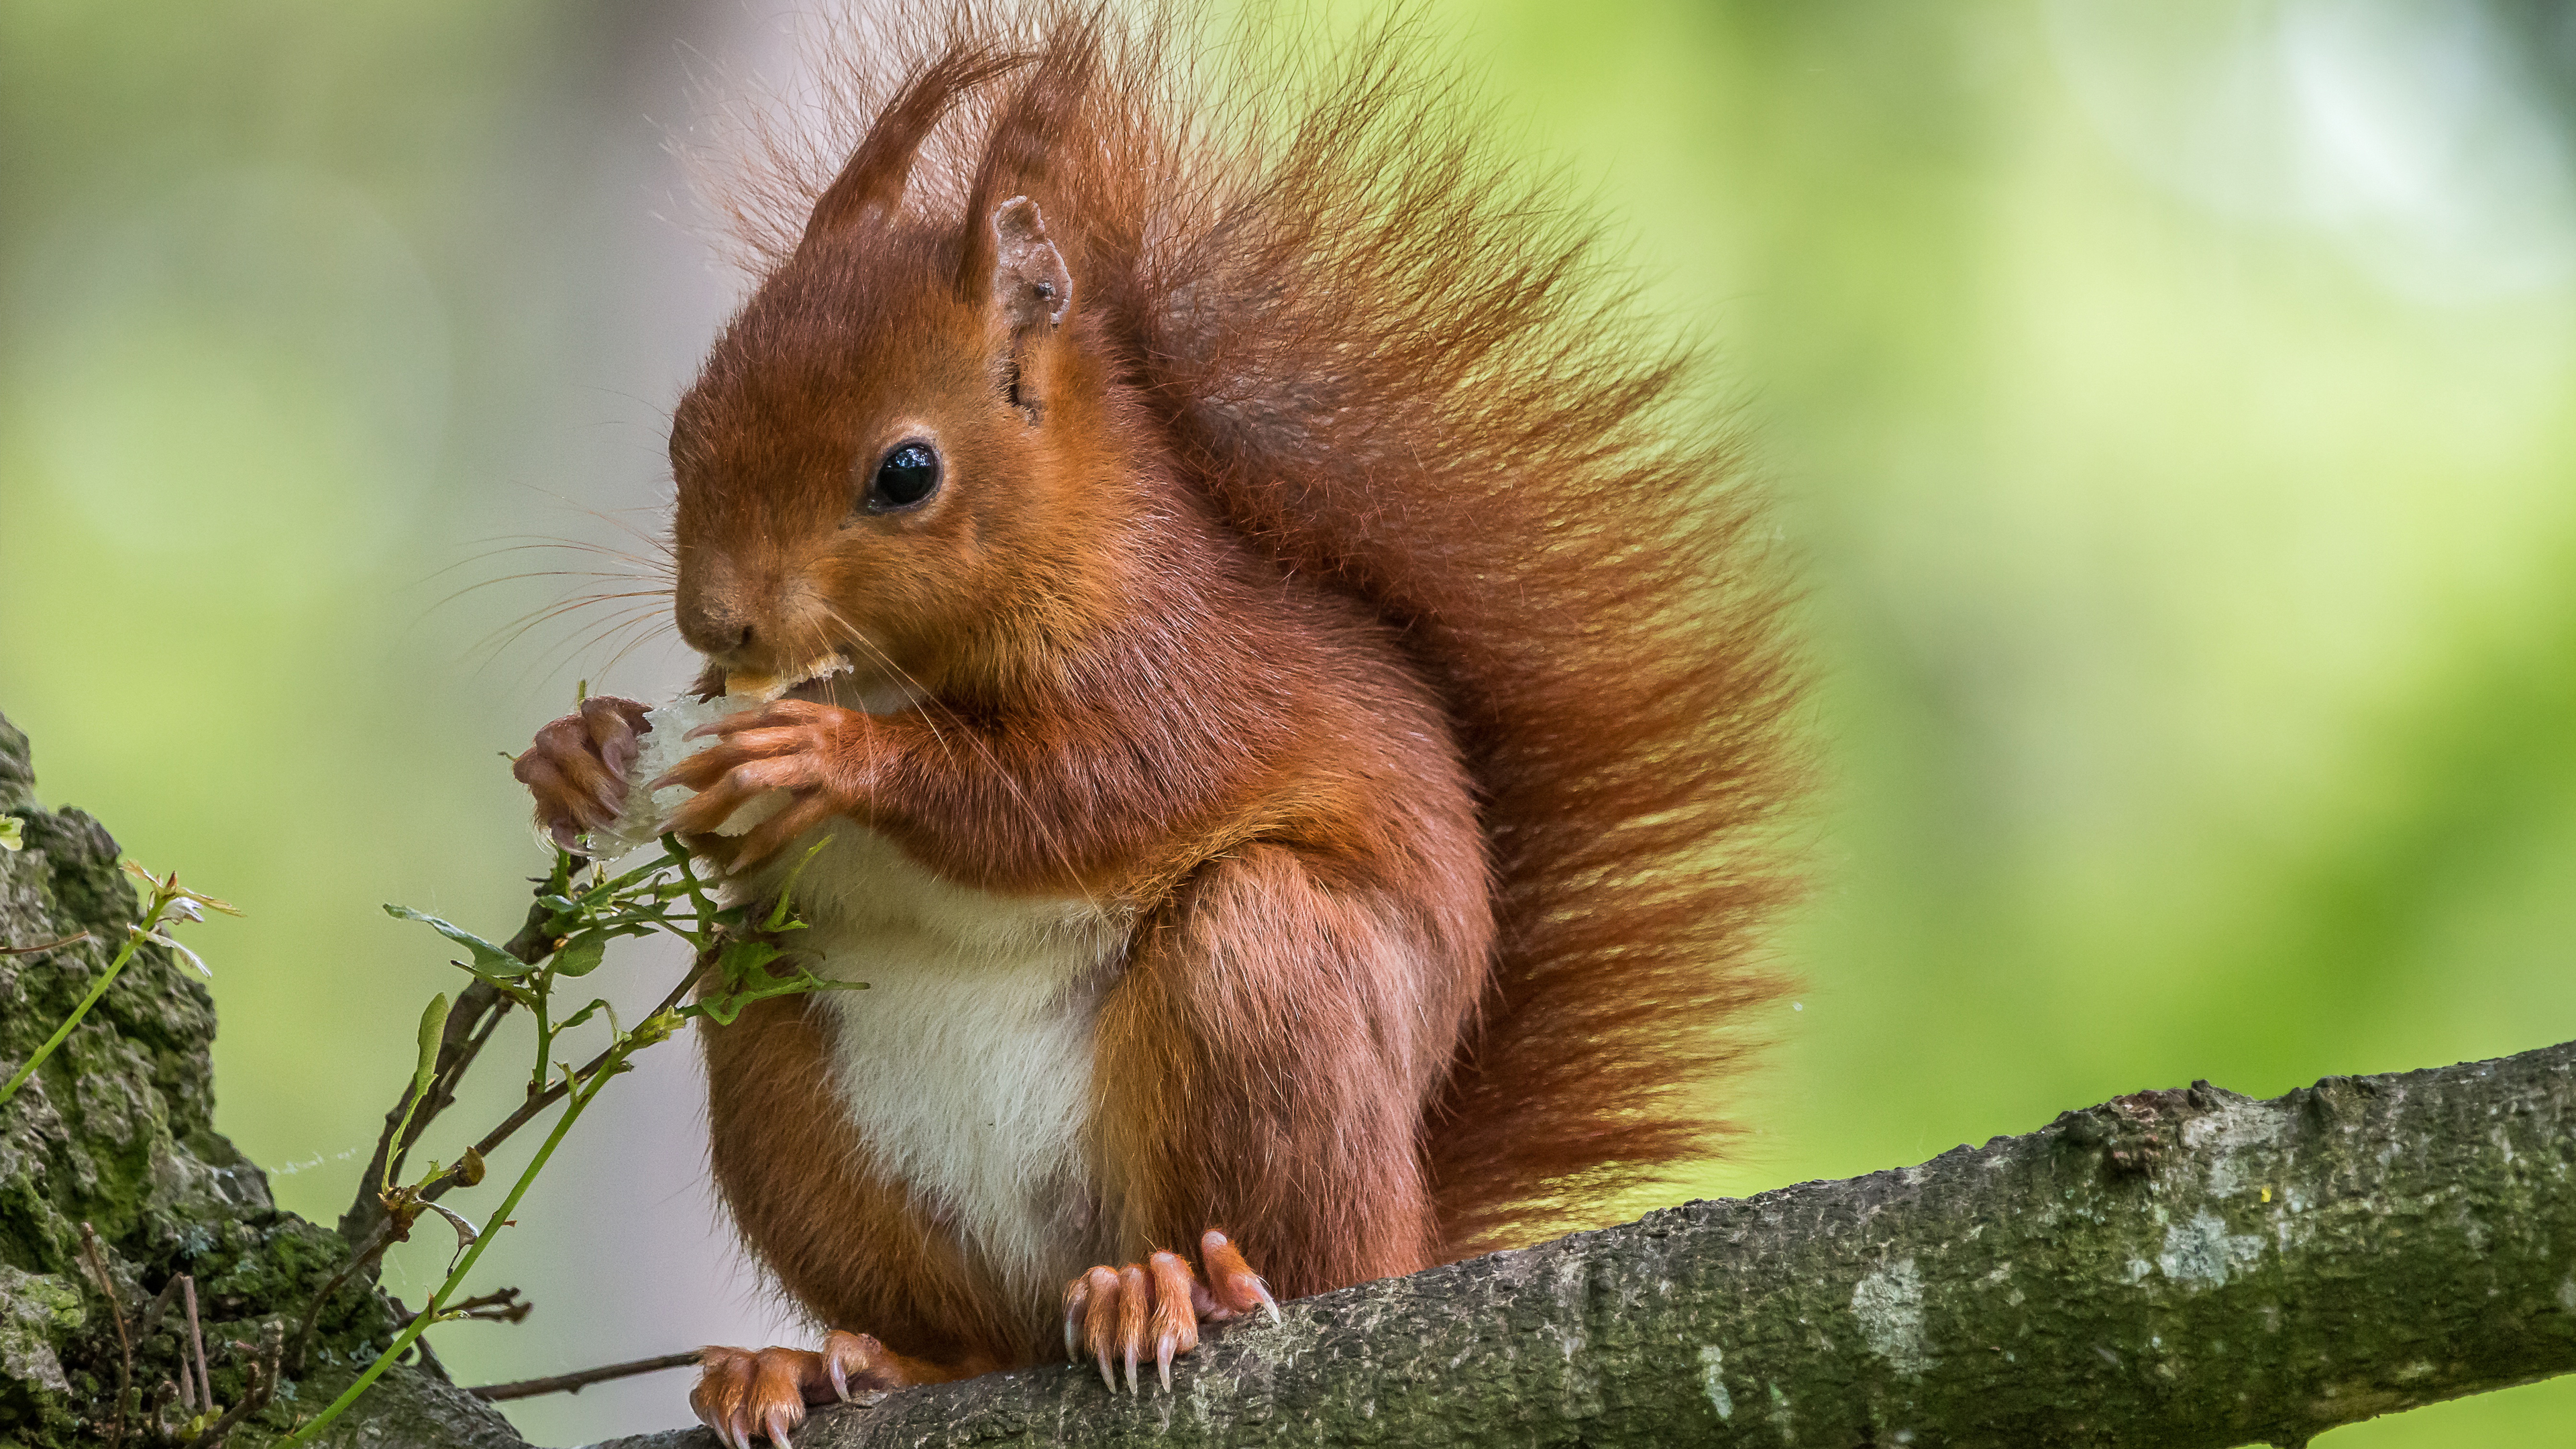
[[1325, 574]]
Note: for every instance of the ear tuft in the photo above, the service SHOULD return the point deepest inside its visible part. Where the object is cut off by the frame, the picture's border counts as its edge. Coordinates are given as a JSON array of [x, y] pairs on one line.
[[1030, 285], [870, 186]]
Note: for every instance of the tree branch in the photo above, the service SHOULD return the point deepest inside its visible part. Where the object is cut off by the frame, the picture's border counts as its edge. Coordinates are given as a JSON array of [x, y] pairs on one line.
[[574, 1383], [2172, 1269]]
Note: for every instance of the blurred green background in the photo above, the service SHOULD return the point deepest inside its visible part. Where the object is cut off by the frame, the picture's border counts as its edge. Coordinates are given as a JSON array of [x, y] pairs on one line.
[[2170, 404]]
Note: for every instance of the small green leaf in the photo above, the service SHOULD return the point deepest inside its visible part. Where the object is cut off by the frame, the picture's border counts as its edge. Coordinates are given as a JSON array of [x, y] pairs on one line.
[[10, 838], [433, 1024], [741, 958], [489, 961], [719, 1009], [582, 954]]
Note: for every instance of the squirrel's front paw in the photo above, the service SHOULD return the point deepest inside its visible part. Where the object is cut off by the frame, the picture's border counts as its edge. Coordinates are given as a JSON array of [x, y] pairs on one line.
[[1118, 1312], [577, 767], [799, 746]]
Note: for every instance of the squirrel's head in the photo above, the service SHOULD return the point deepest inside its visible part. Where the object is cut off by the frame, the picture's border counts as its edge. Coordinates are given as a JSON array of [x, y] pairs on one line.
[[898, 456]]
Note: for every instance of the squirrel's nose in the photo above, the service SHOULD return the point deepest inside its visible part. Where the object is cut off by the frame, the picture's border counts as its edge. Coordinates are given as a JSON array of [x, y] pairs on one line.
[[715, 628]]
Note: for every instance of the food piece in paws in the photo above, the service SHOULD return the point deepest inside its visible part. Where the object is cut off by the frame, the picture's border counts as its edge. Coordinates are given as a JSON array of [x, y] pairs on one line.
[[664, 745]]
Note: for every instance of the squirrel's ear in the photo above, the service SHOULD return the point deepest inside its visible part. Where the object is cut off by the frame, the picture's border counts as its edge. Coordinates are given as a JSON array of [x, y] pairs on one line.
[[1030, 295], [1031, 288]]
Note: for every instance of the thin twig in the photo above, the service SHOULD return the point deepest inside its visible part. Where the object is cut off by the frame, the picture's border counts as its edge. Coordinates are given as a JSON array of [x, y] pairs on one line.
[[47, 946], [196, 1338], [501, 1305], [150, 1318], [574, 1383], [97, 1261]]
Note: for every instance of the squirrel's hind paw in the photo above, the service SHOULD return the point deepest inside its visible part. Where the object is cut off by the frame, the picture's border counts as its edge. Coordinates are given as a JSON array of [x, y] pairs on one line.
[[744, 1394], [1123, 1313]]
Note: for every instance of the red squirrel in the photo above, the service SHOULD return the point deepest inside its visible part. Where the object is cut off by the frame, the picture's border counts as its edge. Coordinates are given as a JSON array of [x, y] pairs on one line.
[[1295, 695]]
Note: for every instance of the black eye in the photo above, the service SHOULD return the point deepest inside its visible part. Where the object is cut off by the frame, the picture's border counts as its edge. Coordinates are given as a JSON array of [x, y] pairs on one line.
[[908, 474]]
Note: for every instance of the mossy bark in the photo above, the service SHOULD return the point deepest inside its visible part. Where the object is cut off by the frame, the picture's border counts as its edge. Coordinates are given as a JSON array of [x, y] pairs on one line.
[[2172, 1269], [116, 1130]]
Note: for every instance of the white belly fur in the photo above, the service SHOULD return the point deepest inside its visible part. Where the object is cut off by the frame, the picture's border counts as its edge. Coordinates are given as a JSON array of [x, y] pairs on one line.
[[966, 1064]]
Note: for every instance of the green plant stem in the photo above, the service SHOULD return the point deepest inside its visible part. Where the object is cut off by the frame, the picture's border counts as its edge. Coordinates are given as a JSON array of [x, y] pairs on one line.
[[133, 939], [542, 987], [573, 1108], [410, 1109]]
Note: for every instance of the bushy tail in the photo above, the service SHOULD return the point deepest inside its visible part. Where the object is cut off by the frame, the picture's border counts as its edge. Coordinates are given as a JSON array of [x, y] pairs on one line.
[[1398, 364]]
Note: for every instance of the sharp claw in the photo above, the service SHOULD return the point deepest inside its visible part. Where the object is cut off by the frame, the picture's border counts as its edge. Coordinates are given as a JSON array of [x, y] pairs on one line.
[[1269, 1304], [778, 1431], [1131, 1366], [840, 1378], [1100, 1318], [1163, 1360]]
